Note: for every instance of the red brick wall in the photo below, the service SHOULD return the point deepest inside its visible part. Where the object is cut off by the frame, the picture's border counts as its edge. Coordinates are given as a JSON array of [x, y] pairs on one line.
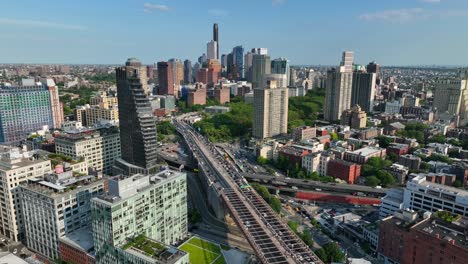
[[73, 255]]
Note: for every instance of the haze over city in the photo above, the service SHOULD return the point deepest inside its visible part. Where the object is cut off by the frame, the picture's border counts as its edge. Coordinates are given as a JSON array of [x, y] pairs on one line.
[[393, 32]]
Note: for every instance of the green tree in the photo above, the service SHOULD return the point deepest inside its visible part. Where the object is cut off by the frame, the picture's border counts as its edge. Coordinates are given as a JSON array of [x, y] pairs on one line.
[[457, 184], [372, 181], [384, 141], [439, 138], [165, 128], [385, 178], [393, 157], [293, 225], [262, 161], [275, 204], [334, 136], [330, 253]]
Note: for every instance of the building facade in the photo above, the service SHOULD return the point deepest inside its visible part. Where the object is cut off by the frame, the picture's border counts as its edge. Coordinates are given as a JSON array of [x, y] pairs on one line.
[[55, 206], [16, 166], [339, 88], [151, 205], [138, 138], [25, 109], [354, 117], [363, 90], [99, 147], [270, 111]]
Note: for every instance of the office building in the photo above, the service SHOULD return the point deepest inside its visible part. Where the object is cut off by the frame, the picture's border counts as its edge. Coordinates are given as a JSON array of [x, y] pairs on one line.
[[261, 66], [451, 96], [281, 80], [281, 66], [165, 78], [56, 205], [409, 100], [292, 77], [16, 166], [339, 88], [260, 51], [98, 146], [270, 110], [211, 50], [238, 61], [419, 238], [363, 90], [25, 109], [354, 117], [133, 62], [373, 67], [421, 194], [391, 202], [216, 39], [188, 72], [154, 206], [137, 125]]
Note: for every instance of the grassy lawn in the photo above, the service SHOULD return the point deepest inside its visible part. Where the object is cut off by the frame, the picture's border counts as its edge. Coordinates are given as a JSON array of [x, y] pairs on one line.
[[203, 252]]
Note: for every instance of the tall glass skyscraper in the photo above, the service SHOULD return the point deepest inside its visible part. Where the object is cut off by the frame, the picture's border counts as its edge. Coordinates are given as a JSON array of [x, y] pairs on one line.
[[138, 139], [24, 109], [238, 60]]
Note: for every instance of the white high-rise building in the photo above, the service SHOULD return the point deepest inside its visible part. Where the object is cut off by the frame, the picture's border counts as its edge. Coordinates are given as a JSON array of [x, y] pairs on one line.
[[451, 96], [339, 88], [211, 49], [16, 166], [260, 51], [261, 65], [270, 110]]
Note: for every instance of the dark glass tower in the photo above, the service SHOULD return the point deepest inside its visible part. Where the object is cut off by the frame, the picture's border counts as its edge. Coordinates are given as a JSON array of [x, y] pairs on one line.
[[137, 125], [215, 38], [187, 72]]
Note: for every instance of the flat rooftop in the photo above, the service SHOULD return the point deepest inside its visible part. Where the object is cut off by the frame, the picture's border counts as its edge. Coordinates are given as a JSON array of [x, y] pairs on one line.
[[450, 232], [146, 247], [366, 151], [81, 238]]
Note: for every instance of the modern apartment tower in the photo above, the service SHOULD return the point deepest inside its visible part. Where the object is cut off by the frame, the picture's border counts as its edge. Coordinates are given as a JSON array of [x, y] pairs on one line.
[[363, 91], [216, 39], [339, 88], [137, 125], [27, 108], [261, 65], [165, 78], [270, 110], [151, 205]]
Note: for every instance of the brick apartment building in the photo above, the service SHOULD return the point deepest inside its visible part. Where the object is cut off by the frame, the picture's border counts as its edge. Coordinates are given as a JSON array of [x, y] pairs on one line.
[[344, 170]]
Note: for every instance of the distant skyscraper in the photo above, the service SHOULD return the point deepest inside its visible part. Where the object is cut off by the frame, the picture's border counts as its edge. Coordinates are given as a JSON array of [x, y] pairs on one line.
[[165, 77], [216, 39], [281, 66], [363, 91], [211, 50], [339, 88], [202, 59], [260, 51], [137, 125], [451, 96], [373, 67], [187, 72], [292, 77], [27, 108], [238, 60], [261, 65], [224, 61], [177, 67], [270, 110], [248, 58]]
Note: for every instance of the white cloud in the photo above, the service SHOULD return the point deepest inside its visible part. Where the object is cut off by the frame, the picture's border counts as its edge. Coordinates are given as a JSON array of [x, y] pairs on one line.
[[397, 15], [430, 1], [36, 23], [277, 2], [218, 12], [149, 8]]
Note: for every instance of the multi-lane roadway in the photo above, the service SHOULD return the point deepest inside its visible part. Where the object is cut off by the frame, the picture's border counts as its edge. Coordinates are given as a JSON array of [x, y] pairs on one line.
[[270, 238]]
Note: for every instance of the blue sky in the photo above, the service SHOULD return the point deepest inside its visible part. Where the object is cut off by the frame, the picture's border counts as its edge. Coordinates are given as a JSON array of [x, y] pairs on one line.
[[392, 32]]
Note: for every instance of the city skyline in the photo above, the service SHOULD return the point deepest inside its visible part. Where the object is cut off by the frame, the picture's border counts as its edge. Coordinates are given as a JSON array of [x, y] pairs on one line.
[[90, 34]]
